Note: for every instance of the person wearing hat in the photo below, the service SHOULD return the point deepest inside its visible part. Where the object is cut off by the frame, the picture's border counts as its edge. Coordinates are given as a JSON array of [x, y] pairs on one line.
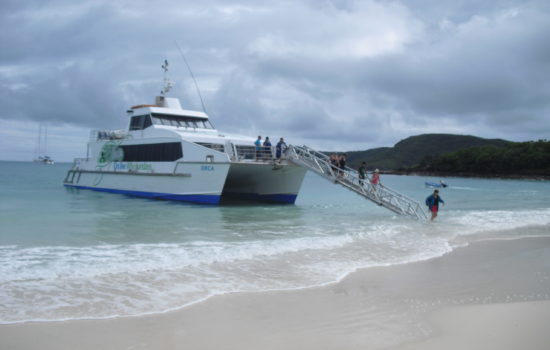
[[433, 203], [375, 180]]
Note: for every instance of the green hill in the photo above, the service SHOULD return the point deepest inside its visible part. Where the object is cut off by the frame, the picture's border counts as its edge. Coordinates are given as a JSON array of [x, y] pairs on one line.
[[413, 150], [530, 158]]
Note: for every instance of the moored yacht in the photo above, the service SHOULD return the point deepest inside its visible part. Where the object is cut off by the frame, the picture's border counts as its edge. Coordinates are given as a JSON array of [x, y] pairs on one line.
[[42, 146], [44, 160], [172, 153]]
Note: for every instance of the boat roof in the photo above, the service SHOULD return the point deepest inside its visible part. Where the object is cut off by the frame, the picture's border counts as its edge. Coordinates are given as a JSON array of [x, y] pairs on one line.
[[148, 109]]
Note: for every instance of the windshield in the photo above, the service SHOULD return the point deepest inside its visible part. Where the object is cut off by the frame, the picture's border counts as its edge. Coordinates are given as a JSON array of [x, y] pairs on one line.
[[181, 121]]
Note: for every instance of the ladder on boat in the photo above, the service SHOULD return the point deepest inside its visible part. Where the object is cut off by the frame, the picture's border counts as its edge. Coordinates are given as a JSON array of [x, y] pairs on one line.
[[349, 178]]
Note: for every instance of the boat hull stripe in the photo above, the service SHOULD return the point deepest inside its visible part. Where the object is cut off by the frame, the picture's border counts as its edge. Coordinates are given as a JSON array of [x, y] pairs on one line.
[[199, 198], [194, 198]]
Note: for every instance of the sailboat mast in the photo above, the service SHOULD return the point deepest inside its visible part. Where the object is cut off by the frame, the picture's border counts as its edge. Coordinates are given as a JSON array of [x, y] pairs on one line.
[[37, 150], [45, 139]]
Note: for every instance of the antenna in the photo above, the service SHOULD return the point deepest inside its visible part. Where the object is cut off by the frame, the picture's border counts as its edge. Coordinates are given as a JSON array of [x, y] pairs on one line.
[[192, 76], [167, 82]]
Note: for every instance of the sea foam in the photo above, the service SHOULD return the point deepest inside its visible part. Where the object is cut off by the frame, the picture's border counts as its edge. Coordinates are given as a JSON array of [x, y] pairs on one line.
[[111, 280]]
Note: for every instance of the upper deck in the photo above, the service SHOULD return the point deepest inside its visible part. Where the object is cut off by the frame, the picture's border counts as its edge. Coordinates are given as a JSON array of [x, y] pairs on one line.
[[167, 112]]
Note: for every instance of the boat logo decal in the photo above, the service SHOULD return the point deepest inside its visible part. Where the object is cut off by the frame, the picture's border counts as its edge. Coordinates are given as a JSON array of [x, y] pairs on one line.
[[110, 152], [132, 166]]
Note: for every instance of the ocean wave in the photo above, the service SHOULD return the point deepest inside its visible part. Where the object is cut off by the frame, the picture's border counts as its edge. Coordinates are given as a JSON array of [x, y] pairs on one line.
[[467, 222], [102, 281], [114, 280]]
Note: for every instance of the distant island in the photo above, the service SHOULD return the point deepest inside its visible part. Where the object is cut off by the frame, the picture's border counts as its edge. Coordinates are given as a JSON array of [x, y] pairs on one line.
[[458, 155]]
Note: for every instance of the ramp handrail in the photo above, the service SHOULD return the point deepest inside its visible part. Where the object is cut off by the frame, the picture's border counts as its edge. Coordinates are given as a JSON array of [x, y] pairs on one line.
[[382, 195]]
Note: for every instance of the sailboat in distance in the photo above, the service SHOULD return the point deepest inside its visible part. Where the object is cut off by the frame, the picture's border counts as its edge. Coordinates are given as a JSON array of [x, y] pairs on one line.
[[42, 146]]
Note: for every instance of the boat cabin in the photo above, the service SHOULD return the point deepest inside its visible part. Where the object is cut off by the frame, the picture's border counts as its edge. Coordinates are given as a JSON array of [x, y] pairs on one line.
[[167, 112]]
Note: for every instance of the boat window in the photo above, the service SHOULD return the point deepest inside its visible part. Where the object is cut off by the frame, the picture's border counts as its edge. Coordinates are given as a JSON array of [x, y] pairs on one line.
[[147, 122], [136, 123], [152, 152], [215, 146], [181, 121], [140, 122]]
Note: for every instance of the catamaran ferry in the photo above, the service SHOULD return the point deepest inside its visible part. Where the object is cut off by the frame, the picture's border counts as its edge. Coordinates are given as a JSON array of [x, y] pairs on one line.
[[176, 154]]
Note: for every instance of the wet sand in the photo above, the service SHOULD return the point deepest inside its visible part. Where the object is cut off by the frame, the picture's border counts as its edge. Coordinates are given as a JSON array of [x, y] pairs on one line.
[[489, 295]]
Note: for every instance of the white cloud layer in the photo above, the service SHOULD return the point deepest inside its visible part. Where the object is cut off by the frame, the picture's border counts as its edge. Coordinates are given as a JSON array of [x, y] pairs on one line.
[[336, 75]]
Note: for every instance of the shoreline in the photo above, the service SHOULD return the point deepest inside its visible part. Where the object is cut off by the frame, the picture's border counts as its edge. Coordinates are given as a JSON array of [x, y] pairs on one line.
[[390, 307], [467, 175]]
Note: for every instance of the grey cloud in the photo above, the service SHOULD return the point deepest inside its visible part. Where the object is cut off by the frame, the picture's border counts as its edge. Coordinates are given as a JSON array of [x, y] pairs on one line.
[[275, 67], [493, 73]]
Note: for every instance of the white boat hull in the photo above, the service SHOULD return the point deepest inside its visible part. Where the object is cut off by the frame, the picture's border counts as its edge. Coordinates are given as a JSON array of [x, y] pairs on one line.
[[192, 182], [264, 182]]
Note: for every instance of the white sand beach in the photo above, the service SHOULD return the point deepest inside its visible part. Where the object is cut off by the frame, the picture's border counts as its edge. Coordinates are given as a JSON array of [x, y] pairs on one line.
[[522, 325], [488, 295]]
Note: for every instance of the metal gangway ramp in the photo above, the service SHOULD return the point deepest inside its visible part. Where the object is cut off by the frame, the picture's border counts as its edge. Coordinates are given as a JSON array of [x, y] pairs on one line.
[[349, 178]]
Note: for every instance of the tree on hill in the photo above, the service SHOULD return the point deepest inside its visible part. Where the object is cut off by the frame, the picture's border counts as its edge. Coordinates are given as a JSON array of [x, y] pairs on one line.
[[515, 158], [413, 150]]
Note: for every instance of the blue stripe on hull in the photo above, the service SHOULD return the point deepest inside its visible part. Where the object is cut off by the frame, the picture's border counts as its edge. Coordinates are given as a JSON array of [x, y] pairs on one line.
[[194, 198], [270, 198]]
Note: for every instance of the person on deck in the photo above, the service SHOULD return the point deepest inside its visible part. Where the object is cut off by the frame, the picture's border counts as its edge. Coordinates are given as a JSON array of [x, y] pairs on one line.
[[267, 148], [432, 202], [280, 148], [258, 145]]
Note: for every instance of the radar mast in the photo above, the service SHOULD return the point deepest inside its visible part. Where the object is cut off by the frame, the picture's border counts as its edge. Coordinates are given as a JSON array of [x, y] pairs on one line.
[[168, 84]]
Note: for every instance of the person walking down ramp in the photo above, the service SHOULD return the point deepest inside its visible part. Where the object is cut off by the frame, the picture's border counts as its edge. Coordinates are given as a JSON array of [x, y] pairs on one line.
[[375, 180], [342, 164], [362, 172], [433, 203]]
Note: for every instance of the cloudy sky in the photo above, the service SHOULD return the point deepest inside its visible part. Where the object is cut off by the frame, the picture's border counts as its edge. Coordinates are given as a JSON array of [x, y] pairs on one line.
[[335, 75]]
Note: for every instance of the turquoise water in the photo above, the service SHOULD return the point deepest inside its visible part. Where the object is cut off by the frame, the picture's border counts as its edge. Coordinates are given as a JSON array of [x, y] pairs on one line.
[[71, 254]]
